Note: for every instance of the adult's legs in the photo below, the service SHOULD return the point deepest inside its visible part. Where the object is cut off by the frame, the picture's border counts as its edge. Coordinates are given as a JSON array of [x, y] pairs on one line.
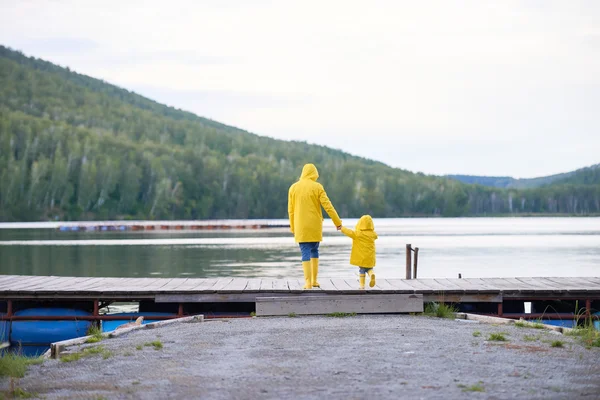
[[306, 249], [314, 264]]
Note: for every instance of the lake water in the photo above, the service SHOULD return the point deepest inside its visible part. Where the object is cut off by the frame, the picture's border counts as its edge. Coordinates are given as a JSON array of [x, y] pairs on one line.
[[474, 247]]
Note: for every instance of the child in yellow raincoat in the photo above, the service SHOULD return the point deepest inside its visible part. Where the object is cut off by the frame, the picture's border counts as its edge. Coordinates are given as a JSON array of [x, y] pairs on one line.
[[363, 248]]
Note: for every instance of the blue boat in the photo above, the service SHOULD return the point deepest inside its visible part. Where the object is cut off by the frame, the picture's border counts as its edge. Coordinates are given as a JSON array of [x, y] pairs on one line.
[[108, 326], [33, 338], [565, 323]]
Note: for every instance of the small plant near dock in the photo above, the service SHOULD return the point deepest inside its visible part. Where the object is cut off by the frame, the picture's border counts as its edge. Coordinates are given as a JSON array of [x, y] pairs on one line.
[[520, 324], [341, 314], [557, 343], [497, 337], [292, 315], [537, 325], [476, 333], [531, 338], [253, 314], [157, 344], [19, 393], [587, 334], [15, 365], [136, 382], [71, 357], [95, 334], [440, 310], [139, 347], [478, 387], [87, 352]]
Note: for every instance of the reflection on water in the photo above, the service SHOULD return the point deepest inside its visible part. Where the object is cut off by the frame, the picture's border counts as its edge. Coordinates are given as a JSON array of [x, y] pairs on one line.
[[473, 247]]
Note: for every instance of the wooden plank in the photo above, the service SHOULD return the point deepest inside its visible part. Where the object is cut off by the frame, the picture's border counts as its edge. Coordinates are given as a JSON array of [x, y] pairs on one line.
[[295, 285], [538, 285], [14, 283], [173, 284], [194, 297], [221, 283], [518, 284], [594, 279], [479, 282], [472, 287], [571, 285], [463, 297], [280, 285], [7, 278], [360, 304], [266, 285], [341, 285], [433, 284], [383, 286], [253, 285], [449, 283], [505, 285], [236, 285], [326, 285], [201, 285], [585, 283], [401, 285], [31, 281], [415, 284]]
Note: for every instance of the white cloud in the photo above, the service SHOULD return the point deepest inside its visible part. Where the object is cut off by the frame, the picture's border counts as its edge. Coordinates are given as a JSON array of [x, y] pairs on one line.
[[480, 87]]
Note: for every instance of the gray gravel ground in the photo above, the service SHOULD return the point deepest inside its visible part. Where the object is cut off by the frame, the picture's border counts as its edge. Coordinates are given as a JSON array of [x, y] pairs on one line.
[[376, 357]]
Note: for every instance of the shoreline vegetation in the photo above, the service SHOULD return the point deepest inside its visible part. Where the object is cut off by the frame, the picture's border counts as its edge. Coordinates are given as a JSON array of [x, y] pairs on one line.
[[76, 148]]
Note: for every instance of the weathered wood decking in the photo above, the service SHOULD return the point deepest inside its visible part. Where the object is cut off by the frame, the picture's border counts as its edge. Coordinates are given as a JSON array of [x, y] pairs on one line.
[[172, 290]]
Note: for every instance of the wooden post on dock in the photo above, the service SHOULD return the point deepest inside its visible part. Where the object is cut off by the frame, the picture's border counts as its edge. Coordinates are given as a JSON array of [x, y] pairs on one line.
[[408, 260], [414, 276]]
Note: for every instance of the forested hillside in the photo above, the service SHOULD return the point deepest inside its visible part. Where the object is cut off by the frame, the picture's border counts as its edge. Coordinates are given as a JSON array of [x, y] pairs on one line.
[[587, 176], [74, 147]]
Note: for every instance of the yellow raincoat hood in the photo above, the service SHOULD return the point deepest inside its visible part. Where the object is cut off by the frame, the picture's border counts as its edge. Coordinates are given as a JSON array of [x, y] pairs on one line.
[[310, 172], [365, 223]]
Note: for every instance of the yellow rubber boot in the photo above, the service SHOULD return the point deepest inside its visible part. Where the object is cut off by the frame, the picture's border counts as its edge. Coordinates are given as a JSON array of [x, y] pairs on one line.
[[314, 263], [372, 275], [361, 281], [307, 275]]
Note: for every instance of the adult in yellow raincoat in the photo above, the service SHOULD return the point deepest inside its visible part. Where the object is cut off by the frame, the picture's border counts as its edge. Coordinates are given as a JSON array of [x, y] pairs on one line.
[[363, 248], [305, 199]]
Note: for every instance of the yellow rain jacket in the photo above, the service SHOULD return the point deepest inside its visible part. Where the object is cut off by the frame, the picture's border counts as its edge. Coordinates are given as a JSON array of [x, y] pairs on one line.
[[305, 199], [363, 242]]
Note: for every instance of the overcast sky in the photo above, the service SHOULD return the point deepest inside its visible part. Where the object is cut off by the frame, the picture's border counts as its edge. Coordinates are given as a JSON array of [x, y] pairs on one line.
[[474, 87]]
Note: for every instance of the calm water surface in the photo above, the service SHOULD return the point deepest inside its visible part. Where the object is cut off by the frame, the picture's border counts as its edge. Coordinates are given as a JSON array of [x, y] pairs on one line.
[[482, 247]]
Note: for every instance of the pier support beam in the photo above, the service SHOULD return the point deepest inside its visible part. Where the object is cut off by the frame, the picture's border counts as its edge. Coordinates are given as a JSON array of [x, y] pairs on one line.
[[500, 309]]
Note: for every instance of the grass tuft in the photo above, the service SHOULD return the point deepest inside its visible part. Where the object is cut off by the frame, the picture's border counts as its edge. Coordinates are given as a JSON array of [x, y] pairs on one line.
[[440, 310], [531, 338], [15, 365], [341, 314], [19, 393], [292, 315], [95, 334], [557, 343], [476, 333], [478, 387], [139, 347], [157, 344], [497, 337], [87, 352]]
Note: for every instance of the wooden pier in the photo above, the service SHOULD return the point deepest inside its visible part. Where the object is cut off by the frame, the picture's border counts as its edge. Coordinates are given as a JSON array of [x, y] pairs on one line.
[[497, 291]]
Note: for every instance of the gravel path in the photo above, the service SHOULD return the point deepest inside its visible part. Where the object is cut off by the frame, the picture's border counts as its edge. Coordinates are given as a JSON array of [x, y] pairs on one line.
[[382, 357]]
